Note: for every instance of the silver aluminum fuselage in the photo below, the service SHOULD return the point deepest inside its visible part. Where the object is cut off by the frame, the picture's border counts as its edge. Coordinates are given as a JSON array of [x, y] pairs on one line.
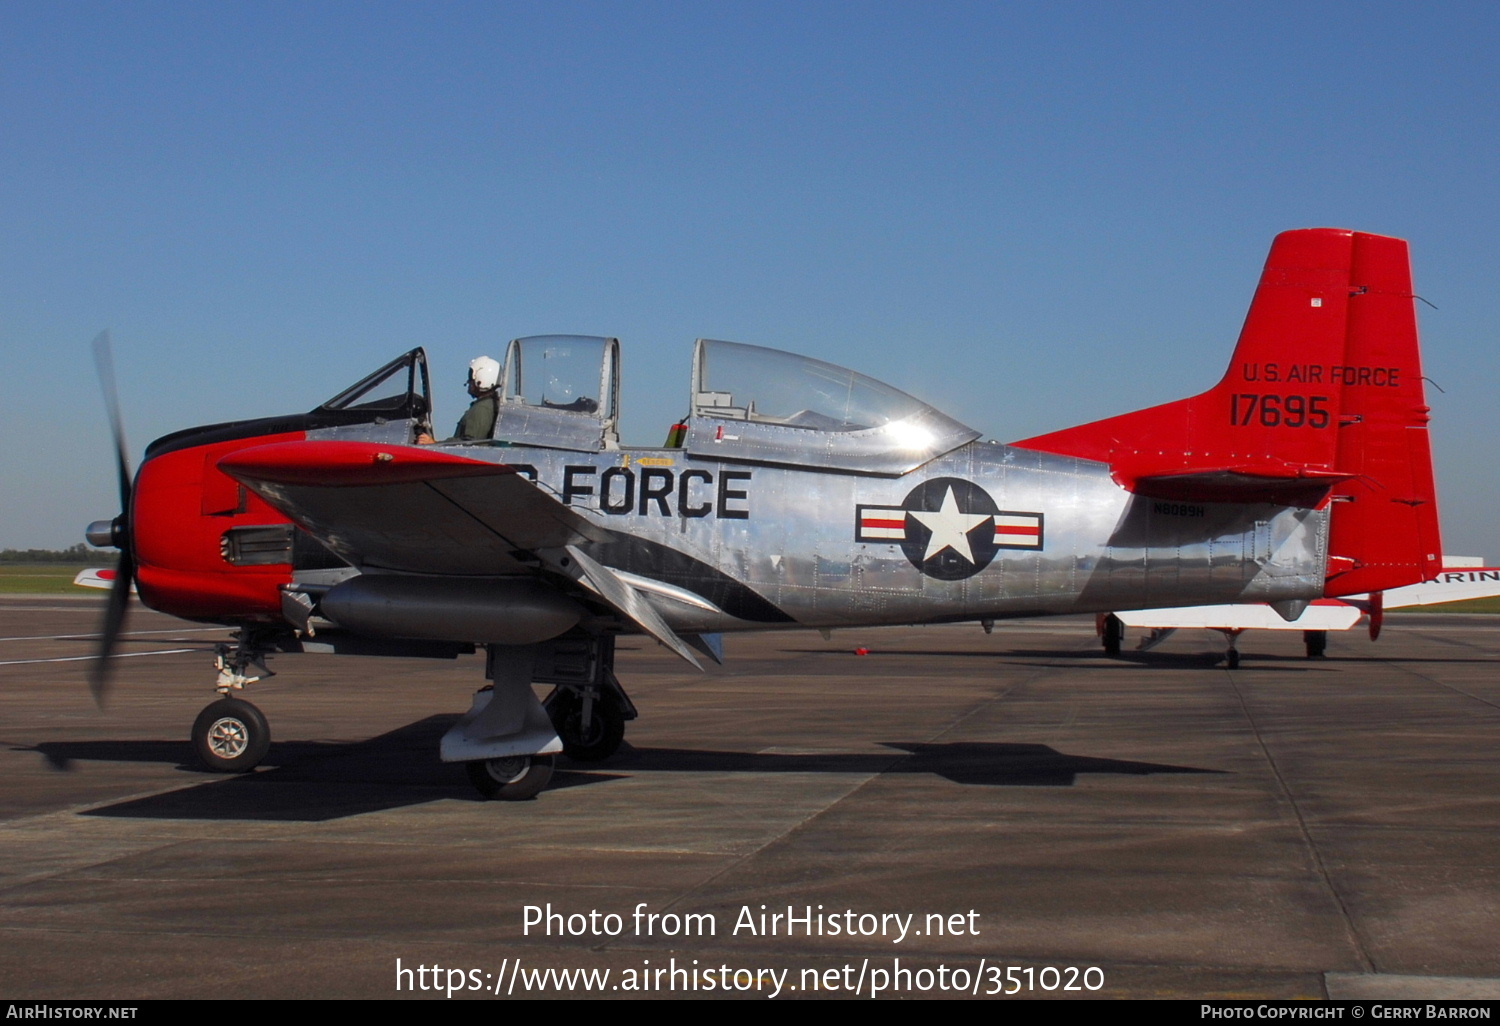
[[721, 545]]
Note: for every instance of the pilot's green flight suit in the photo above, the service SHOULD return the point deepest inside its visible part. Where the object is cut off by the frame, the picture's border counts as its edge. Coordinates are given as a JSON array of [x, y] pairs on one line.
[[478, 422]]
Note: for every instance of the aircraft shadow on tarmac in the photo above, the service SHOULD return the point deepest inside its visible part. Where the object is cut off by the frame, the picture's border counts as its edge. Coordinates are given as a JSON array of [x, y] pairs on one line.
[[1091, 658], [331, 780], [987, 763]]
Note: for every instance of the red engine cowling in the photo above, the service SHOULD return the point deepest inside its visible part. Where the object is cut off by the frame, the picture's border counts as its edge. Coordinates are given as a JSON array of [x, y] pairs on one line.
[[204, 547], [198, 554]]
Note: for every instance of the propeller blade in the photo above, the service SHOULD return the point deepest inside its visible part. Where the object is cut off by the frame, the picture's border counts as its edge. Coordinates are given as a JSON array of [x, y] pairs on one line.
[[104, 361], [112, 627], [119, 594]]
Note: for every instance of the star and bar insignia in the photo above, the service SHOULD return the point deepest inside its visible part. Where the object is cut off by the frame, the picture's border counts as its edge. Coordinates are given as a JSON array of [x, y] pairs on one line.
[[949, 528]]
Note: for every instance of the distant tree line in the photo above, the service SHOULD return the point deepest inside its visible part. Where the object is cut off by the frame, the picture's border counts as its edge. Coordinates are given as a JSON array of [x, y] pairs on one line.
[[81, 554]]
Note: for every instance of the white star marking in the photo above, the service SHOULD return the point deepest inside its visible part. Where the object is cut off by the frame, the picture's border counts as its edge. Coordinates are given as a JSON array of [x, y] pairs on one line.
[[950, 528]]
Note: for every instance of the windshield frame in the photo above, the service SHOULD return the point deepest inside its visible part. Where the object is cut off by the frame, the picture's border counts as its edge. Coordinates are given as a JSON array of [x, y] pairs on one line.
[[556, 425]]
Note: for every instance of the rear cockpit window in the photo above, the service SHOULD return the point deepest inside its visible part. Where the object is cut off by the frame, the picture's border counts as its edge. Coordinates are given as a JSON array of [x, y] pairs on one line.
[[768, 386], [769, 406]]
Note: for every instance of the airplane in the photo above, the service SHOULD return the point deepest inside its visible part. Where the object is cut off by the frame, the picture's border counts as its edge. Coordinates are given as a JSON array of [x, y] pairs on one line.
[[1462, 578], [794, 494]]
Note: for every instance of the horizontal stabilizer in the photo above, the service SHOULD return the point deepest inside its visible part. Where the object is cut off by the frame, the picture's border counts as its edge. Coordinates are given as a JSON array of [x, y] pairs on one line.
[[1292, 486]]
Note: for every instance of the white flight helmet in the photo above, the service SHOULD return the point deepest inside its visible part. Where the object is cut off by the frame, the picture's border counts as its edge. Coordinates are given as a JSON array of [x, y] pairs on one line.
[[484, 372]]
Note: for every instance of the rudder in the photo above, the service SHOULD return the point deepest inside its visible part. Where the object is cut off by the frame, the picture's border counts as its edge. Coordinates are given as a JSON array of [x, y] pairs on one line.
[[1384, 531]]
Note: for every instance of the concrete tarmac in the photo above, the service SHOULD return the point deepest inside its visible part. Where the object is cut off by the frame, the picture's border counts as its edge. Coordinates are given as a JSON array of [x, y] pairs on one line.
[[1033, 815]]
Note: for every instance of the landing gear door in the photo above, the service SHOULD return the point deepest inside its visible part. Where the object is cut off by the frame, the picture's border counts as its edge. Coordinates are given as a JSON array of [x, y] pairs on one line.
[[393, 402], [561, 392]]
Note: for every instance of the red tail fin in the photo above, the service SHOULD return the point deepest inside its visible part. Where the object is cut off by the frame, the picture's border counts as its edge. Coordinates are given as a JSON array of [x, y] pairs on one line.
[[1322, 402]]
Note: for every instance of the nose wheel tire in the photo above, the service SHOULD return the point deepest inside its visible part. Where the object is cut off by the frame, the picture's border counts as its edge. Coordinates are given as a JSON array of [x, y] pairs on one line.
[[231, 736], [512, 779]]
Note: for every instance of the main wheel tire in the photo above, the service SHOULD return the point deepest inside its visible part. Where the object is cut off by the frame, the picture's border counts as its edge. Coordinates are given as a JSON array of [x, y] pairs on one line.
[[605, 731], [1232, 659], [1317, 643], [231, 736], [512, 779]]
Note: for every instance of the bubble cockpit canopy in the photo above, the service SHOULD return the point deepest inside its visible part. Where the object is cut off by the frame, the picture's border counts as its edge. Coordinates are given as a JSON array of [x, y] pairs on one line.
[[747, 403], [772, 406]]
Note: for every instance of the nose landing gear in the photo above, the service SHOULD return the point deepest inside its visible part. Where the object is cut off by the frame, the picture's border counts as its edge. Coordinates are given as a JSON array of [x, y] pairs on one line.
[[231, 735]]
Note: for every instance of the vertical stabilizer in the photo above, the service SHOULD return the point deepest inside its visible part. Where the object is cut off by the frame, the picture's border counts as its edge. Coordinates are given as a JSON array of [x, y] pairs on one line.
[[1322, 403]]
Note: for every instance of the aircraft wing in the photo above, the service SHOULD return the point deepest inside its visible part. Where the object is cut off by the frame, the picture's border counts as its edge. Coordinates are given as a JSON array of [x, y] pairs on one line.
[[1455, 584], [409, 508], [1321, 615]]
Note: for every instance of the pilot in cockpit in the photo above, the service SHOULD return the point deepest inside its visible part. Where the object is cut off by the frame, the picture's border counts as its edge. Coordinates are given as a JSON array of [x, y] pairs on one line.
[[478, 422]]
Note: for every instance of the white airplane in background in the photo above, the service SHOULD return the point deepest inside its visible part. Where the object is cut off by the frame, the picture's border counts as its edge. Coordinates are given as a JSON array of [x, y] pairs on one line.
[[1462, 578], [97, 577]]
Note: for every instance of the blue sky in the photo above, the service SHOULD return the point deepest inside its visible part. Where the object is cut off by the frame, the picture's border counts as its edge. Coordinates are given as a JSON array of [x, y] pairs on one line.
[[1031, 215]]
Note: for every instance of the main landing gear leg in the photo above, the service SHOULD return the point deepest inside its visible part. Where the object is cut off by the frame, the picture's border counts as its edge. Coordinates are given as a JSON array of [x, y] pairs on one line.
[[508, 738], [1232, 656], [231, 735], [505, 739], [588, 706], [1111, 632]]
